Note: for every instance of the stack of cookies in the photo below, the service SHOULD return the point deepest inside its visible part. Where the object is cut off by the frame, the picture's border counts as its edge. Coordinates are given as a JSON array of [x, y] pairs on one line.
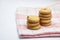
[[45, 16], [33, 22]]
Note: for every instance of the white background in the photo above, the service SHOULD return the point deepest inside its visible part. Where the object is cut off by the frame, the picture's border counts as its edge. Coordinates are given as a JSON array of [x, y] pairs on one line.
[[8, 28]]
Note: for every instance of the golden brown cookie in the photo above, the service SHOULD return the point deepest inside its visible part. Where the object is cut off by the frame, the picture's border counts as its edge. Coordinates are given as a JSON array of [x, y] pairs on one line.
[[46, 24], [32, 25], [32, 22], [45, 16], [34, 28], [45, 11], [45, 21], [33, 19]]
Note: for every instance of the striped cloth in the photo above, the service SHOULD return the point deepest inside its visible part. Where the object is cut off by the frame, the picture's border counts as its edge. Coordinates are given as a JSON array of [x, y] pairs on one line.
[[51, 31]]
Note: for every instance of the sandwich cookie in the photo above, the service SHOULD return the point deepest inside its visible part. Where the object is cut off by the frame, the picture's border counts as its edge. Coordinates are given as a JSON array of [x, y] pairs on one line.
[[46, 24], [33, 19], [45, 21], [34, 28], [45, 11]]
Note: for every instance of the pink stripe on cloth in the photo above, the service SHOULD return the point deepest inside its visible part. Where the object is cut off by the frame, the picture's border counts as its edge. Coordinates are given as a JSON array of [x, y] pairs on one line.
[[41, 35], [45, 33], [24, 16]]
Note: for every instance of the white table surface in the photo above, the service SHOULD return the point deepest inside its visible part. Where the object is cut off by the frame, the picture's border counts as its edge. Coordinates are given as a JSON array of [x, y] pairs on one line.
[[8, 28]]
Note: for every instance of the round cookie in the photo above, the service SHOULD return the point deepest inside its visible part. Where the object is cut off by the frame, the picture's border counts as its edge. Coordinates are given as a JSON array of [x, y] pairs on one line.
[[45, 16], [33, 19], [45, 11], [34, 28], [32, 25], [45, 21], [32, 22], [46, 24]]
